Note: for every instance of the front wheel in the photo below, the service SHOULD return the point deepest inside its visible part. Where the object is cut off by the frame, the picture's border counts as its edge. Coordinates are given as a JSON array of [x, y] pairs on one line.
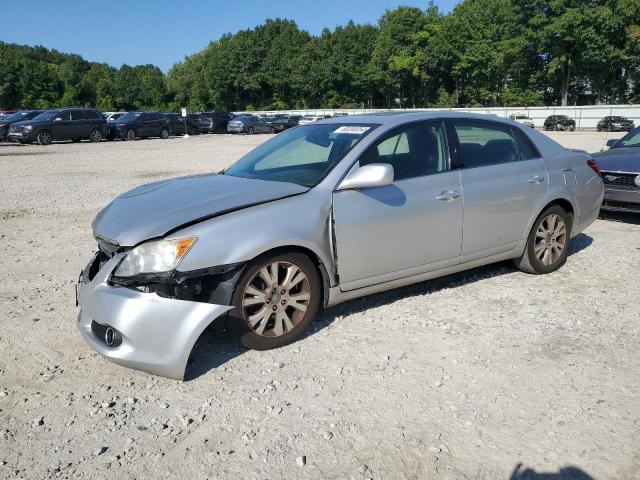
[[250, 131], [164, 134], [276, 300], [44, 137], [131, 134], [548, 242]]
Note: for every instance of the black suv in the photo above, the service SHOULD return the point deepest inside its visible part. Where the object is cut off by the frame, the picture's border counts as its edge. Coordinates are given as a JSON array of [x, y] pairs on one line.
[[61, 124], [134, 125], [178, 123], [614, 124], [559, 122], [213, 122], [19, 116]]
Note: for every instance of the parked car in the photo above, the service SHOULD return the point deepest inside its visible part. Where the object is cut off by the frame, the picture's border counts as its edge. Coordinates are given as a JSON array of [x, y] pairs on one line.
[[249, 124], [111, 119], [181, 125], [615, 124], [281, 124], [142, 125], [311, 118], [321, 214], [560, 123], [61, 124], [523, 119], [19, 116], [620, 167], [213, 122]]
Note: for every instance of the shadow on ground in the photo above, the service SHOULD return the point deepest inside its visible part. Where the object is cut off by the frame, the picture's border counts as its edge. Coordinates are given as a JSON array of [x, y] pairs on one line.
[[219, 344], [632, 218], [566, 473]]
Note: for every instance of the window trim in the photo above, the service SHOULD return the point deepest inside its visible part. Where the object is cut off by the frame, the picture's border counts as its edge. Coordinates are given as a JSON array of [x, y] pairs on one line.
[[458, 164], [399, 128]]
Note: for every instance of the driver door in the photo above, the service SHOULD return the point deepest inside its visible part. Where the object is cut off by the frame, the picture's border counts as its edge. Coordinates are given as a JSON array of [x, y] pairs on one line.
[[409, 227]]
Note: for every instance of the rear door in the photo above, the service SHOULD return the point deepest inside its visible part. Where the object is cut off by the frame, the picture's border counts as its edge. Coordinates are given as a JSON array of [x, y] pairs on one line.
[[80, 125], [503, 176], [409, 227]]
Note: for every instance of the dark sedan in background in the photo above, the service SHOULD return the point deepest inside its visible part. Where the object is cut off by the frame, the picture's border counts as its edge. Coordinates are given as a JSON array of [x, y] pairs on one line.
[[142, 125], [249, 124], [620, 167], [213, 122], [181, 125], [282, 123], [560, 123], [615, 124], [19, 116]]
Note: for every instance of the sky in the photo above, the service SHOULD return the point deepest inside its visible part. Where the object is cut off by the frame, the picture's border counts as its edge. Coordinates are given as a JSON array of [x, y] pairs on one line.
[[163, 32]]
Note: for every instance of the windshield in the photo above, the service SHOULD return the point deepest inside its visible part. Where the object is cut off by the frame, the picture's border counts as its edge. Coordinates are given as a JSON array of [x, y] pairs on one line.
[[129, 116], [22, 115], [619, 119], [562, 117], [47, 115], [631, 139], [302, 155]]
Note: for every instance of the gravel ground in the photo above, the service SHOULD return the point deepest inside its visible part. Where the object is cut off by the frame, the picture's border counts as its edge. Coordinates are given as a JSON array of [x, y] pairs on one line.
[[479, 375]]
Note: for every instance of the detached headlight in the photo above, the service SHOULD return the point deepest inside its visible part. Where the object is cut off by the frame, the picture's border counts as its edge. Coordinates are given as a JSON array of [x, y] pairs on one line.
[[154, 257]]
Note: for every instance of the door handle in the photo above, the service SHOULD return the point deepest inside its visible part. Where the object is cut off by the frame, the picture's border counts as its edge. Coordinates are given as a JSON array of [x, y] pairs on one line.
[[448, 195], [535, 180]]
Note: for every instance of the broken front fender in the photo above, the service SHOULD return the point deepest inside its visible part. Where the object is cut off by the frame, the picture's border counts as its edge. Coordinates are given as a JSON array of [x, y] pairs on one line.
[[140, 330]]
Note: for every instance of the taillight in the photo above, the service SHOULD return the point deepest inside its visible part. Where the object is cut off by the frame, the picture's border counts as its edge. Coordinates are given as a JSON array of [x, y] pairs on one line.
[[594, 167]]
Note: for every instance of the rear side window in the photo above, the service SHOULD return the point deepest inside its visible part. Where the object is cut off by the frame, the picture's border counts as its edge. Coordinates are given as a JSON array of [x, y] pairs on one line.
[[525, 146], [92, 115], [485, 144], [77, 115], [413, 151]]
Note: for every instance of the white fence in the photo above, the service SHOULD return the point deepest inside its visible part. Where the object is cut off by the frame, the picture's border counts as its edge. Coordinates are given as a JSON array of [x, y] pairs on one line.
[[586, 117]]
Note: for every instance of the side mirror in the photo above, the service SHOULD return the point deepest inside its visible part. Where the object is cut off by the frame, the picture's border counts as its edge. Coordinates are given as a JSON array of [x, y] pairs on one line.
[[611, 142], [57, 119], [372, 175]]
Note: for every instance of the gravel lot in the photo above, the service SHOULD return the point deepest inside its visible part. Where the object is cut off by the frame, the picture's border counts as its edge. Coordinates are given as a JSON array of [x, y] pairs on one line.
[[465, 377]]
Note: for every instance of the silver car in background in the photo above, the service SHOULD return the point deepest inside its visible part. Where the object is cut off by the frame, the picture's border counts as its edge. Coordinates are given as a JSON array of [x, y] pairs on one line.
[[321, 214]]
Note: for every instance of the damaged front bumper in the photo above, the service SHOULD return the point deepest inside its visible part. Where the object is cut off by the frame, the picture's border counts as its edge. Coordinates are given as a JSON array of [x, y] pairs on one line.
[[139, 330]]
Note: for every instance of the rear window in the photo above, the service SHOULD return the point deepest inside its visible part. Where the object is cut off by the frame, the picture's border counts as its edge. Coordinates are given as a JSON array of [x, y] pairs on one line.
[[526, 148]]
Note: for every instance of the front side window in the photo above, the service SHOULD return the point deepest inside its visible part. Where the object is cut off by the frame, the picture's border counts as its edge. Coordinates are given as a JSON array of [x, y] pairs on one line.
[[65, 116], [485, 144], [413, 151], [77, 115], [303, 155]]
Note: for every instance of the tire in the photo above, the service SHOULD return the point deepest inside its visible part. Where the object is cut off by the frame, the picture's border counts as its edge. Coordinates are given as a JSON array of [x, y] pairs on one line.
[[598, 129], [540, 263], [610, 129], [44, 137], [254, 300], [272, 131], [557, 127], [250, 131], [95, 135], [131, 135], [194, 131], [164, 134]]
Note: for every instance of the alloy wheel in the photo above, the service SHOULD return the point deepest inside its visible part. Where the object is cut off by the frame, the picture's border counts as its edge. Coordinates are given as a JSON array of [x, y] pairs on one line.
[[276, 299], [551, 239]]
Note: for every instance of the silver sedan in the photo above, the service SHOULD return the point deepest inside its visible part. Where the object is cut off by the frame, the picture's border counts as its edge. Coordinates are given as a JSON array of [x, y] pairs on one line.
[[321, 214]]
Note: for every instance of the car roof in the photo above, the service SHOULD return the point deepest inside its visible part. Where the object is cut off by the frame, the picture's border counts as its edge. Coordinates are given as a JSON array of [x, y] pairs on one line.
[[399, 118]]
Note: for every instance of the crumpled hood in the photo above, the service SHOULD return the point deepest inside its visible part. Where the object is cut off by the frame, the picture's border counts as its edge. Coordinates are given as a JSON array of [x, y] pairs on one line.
[[152, 210], [624, 159]]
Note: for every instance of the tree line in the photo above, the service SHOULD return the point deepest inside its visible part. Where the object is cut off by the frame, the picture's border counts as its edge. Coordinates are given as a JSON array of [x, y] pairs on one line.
[[482, 53]]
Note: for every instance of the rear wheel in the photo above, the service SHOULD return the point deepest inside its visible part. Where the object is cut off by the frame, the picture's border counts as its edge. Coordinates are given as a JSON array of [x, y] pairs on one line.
[[193, 131], [548, 242], [95, 135], [164, 134], [44, 137], [250, 131], [272, 130], [276, 300], [610, 128], [131, 134]]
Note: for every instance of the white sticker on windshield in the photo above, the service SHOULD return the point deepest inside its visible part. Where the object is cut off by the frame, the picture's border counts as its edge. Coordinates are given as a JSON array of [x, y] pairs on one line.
[[353, 129]]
